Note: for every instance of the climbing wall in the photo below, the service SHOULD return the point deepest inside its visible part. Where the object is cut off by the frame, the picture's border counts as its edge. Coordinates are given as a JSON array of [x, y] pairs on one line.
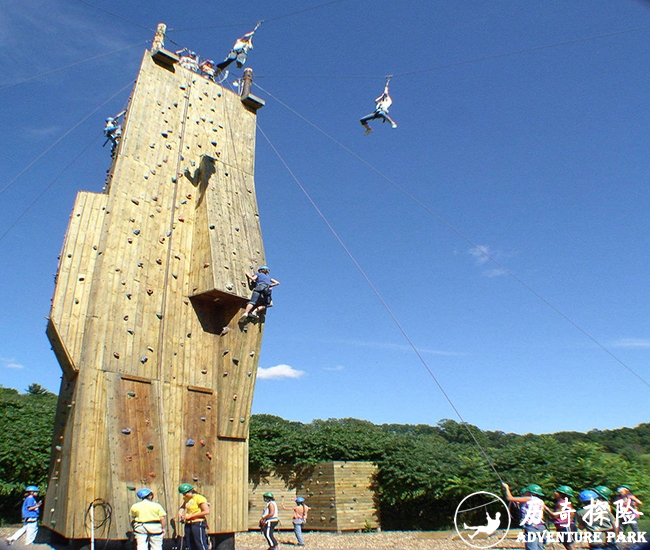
[[158, 375], [341, 496]]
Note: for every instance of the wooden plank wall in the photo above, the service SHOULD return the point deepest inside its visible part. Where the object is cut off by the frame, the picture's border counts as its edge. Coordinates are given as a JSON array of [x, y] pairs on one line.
[[151, 283], [341, 496]]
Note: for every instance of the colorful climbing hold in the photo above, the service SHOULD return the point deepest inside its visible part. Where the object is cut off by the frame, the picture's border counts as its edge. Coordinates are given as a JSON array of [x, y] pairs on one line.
[[189, 443], [126, 431]]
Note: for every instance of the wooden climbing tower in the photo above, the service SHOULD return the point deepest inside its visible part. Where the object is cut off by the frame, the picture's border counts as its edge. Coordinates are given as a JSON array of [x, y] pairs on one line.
[[158, 375]]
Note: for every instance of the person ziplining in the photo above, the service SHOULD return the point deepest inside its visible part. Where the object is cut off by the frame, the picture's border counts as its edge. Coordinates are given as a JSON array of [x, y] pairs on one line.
[[239, 52], [382, 103]]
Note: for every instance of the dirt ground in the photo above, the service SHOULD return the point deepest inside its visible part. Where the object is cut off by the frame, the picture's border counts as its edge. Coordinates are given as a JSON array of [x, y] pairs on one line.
[[316, 540]]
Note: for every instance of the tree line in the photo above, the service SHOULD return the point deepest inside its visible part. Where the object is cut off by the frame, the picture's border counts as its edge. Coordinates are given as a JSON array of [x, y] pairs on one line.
[[423, 471]]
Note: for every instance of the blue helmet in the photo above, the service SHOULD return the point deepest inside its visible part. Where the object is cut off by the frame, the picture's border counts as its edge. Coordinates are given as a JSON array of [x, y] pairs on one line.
[[300, 500], [144, 493], [31, 489], [263, 267], [587, 496]]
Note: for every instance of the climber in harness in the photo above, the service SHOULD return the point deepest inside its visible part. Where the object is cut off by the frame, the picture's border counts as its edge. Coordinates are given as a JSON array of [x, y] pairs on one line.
[[149, 521], [188, 60], [113, 130], [261, 297], [382, 103], [239, 52]]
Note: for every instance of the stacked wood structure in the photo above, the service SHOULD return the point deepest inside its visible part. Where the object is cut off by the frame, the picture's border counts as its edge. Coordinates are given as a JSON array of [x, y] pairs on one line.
[[341, 496], [158, 374]]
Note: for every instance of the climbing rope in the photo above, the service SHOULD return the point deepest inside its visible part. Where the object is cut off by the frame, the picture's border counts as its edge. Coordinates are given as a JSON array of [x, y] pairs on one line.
[[66, 133], [383, 302], [467, 61], [466, 239], [266, 20], [142, 42], [56, 178]]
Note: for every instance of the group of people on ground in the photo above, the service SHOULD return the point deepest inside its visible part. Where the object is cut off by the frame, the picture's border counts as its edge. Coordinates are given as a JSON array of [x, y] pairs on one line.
[[149, 519], [595, 514]]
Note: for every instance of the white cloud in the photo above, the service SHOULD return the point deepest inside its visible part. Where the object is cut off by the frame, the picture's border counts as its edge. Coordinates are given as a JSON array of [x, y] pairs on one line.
[[632, 343], [279, 371], [484, 255], [338, 367], [10, 363]]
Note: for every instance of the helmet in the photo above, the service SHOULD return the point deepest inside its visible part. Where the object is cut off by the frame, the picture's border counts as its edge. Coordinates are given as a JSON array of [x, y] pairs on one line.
[[533, 489], [588, 495], [565, 490], [31, 489], [268, 495], [144, 493], [604, 492], [300, 500], [263, 267], [620, 487], [184, 488]]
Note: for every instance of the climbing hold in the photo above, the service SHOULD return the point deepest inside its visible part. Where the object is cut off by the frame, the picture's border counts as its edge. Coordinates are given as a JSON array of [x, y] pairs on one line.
[[159, 261], [116, 355], [206, 265], [183, 201], [202, 442], [226, 352], [189, 443], [203, 419], [151, 474], [126, 317], [58, 447], [130, 393], [235, 360], [236, 228], [155, 197], [140, 264], [234, 397], [126, 431], [161, 240], [150, 291], [135, 201], [181, 219], [128, 458], [209, 456], [152, 145], [129, 240], [242, 419], [212, 227], [224, 331], [252, 353], [175, 275], [136, 232], [225, 374], [150, 447], [204, 371], [177, 256], [128, 295], [189, 195], [130, 488], [123, 282], [159, 315], [144, 359], [150, 349], [130, 331], [249, 374], [195, 478]]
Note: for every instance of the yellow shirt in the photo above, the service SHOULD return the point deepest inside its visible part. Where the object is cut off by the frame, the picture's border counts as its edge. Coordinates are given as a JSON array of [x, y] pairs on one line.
[[193, 505], [147, 511]]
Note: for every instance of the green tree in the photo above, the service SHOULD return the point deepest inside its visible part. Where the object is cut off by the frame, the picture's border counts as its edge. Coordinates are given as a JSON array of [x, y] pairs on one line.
[[27, 420]]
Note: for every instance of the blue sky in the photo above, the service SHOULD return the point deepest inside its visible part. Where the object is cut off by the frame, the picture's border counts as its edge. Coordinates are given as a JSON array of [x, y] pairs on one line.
[[522, 138]]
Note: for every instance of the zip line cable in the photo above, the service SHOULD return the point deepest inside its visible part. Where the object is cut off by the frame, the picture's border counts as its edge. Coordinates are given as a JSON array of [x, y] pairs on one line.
[[466, 239], [73, 64], [468, 61], [116, 15], [381, 299], [265, 20], [38, 197], [56, 142]]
